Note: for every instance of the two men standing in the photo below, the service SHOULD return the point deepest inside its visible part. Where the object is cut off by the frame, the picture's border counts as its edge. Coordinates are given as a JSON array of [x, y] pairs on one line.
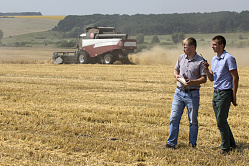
[[193, 69]]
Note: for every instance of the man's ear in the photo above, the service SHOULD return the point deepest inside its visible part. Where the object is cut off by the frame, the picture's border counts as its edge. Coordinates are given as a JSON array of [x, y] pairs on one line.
[[222, 45]]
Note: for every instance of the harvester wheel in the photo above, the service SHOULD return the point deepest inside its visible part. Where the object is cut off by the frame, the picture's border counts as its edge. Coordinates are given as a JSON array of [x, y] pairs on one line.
[[108, 59], [83, 58]]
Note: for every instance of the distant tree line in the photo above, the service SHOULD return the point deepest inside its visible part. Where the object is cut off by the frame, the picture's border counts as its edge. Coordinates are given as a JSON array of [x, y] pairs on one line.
[[22, 14], [159, 24]]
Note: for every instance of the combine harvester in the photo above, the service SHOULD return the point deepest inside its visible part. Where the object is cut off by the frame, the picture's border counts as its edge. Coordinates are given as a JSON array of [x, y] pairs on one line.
[[101, 45]]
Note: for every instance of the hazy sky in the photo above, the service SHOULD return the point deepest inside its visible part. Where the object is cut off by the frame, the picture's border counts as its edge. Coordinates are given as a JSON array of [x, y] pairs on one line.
[[130, 7]]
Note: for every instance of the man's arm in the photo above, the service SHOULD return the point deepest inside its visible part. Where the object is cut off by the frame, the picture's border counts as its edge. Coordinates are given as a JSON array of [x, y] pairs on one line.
[[201, 80], [209, 73], [235, 76], [176, 74]]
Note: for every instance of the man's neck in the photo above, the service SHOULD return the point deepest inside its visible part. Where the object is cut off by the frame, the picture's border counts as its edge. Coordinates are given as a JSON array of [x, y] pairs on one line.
[[220, 53], [191, 56]]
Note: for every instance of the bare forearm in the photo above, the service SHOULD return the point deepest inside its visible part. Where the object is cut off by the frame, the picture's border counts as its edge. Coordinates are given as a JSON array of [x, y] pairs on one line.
[[176, 73], [200, 80], [235, 85], [209, 75], [235, 76]]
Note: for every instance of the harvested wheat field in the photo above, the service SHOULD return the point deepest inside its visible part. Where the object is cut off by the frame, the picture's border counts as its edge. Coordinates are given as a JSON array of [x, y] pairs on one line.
[[106, 114]]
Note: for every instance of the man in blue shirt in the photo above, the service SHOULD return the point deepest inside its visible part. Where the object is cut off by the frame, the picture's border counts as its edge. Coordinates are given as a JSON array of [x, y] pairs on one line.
[[225, 76]]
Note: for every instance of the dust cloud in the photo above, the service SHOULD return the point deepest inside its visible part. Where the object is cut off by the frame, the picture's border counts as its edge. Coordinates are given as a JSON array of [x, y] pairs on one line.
[[240, 54], [161, 56], [154, 56]]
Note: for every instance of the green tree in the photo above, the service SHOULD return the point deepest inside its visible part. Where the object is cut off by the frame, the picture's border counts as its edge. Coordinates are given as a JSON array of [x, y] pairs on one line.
[[74, 32], [162, 24], [177, 37], [181, 36], [155, 39], [140, 38], [140, 47], [20, 44], [66, 44]]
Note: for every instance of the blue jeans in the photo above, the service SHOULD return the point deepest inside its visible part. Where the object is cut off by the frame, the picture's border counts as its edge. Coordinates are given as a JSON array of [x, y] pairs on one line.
[[191, 101]]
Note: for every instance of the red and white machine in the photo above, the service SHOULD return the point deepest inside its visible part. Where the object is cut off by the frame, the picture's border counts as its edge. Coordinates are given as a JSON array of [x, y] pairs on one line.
[[99, 45]]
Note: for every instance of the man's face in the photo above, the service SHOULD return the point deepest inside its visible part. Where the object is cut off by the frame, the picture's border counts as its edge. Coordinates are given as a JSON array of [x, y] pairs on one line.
[[216, 46], [186, 49]]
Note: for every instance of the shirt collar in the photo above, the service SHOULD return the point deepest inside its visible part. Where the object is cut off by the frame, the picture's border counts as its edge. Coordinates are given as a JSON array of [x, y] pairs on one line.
[[222, 55], [191, 59]]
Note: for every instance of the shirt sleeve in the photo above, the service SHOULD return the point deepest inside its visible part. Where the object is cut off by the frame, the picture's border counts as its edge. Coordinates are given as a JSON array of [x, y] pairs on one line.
[[177, 66], [231, 63], [202, 70]]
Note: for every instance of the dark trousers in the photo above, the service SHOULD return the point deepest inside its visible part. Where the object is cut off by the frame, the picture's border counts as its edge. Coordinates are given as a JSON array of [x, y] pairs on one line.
[[221, 104]]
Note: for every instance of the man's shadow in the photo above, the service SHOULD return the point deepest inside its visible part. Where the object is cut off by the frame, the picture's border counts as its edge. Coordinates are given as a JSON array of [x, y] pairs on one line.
[[241, 147]]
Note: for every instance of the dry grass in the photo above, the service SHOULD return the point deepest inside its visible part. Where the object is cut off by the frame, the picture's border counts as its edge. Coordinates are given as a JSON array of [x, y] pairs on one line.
[[107, 115], [28, 55], [18, 26]]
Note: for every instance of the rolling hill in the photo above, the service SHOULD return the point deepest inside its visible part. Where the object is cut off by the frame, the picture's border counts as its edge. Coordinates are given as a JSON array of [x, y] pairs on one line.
[[27, 24]]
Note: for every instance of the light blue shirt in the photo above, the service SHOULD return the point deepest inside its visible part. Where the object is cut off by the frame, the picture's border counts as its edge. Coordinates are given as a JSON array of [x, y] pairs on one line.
[[221, 68]]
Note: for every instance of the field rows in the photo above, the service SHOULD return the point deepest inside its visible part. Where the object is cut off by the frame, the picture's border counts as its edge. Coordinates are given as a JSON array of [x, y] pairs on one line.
[[106, 115], [17, 26]]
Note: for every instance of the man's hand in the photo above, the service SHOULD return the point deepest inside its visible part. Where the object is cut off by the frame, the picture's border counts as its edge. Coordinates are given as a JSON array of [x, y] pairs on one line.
[[177, 76], [205, 64], [188, 82], [209, 73], [234, 100]]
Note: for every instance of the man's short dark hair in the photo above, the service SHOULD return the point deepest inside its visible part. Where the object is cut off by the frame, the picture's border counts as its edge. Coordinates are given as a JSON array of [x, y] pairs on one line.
[[220, 39]]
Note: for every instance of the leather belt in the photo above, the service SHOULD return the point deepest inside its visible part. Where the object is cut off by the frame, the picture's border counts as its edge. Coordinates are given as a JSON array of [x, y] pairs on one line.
[[218, 91], [185, 89]]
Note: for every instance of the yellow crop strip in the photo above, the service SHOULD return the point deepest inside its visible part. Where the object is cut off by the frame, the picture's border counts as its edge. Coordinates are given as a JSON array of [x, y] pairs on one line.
[[43, 17]]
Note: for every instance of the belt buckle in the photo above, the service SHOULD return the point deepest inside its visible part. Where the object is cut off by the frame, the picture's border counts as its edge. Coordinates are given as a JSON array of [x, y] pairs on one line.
[[183, 89], [187, 90]]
